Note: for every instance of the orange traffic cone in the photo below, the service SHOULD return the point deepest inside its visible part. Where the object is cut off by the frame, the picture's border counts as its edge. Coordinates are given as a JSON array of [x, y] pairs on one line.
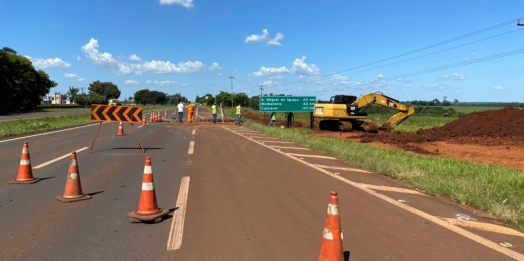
[[25, 172], [120, 130], [147, 211], [144, 121], [151, 117], [165, 114], [154, 117], [73, 188], [332, 249]]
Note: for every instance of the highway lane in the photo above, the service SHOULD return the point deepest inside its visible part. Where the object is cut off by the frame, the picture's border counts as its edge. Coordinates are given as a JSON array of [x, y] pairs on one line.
[[245, 202]]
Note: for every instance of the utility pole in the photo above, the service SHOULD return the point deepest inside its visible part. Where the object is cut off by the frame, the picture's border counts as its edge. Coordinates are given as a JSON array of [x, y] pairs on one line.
[[261, 87], [518, 22], [82, 90], [232, 93]]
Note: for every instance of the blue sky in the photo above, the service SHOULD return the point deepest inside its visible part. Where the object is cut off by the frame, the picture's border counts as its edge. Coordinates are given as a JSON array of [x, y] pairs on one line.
[[292, 47]]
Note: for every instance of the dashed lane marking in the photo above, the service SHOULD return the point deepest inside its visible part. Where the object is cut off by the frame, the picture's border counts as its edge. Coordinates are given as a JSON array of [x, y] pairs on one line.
[[59, 158], [191, 147], [176, 232], [194, 131], [436, 220], [311, 156], [341, 168]]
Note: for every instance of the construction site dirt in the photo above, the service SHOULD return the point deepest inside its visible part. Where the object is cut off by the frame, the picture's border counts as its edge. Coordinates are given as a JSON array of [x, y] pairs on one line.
[[494, 136]]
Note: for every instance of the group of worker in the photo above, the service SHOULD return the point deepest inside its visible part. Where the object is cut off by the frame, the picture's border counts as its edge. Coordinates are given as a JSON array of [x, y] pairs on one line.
[[191, 108]]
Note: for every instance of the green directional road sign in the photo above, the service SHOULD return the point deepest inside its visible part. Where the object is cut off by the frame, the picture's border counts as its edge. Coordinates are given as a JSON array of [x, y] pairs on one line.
[[287, 103]]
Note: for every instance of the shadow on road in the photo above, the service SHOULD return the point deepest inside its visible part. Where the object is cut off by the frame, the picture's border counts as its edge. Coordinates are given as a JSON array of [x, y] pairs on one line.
[[94, 193]]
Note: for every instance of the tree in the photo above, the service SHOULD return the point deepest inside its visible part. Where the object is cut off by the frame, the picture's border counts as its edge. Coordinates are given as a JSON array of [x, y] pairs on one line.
[[72, 93], [107, 89], [455, 102], [241, 98], [22, 87], [141, 96], [210, 99], [223, 98], [95, 98], [82, 99]]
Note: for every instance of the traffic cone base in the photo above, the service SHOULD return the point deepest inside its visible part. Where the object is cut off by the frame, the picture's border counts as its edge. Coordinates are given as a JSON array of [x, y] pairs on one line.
[[134, 217], [68, 200], [35, 180]]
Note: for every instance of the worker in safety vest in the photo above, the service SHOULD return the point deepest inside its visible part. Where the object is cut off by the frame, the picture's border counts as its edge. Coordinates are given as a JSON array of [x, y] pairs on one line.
[[239, 117], [190, 108], [214, 112]]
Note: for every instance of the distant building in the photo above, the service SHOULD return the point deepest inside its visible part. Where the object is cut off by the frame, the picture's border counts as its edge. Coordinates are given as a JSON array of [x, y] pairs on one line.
[[58, 99]]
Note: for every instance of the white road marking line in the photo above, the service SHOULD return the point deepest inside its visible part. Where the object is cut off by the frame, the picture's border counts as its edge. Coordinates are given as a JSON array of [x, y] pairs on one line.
[[340, 168], [483, 241], [176, 232], [260, 137], [191, 147], [59, 158], [485, 227], [393, 189], [36, 135], [194, 131], [269, 140], [312, 156], [293, 148]]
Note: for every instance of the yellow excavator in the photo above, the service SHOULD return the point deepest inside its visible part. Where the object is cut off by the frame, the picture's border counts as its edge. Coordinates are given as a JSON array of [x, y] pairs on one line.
[[346, 112]]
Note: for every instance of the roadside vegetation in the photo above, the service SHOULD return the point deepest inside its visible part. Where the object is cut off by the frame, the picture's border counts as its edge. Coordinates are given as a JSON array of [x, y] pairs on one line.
[[19, 127]]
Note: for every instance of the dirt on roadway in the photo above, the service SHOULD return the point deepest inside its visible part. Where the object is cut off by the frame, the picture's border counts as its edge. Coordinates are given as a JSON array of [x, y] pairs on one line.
[[494, 136]]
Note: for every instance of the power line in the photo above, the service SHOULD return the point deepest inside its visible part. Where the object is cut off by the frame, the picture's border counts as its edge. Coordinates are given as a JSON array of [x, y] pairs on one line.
[[443, 67], [414, 51]]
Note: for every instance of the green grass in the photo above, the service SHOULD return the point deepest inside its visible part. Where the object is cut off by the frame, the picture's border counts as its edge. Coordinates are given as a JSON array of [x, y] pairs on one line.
[[494, 189], [19, 127], [470, 109]]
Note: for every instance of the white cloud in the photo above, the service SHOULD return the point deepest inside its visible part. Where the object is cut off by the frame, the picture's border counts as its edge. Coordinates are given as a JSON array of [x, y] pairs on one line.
[[300, 67], [135, 58], [219, 74], [270, 71], [458, 77], [275, 40], [162, 83], [81, 79], [108, 61], [71, 75], [48, 63], [131, 82], [498, 88], [453, 76], [184, 3], [264, 37], [404, 80], [270, 83], [78, 58], [338, 79], [276, 77], [215, 67], [471, 56]]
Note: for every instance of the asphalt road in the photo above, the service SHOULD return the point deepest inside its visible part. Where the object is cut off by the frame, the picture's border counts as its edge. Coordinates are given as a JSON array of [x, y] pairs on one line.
[[249, 197]]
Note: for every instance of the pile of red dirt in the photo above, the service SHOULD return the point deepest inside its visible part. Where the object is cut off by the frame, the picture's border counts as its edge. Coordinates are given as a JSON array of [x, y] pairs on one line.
[[494, 127]]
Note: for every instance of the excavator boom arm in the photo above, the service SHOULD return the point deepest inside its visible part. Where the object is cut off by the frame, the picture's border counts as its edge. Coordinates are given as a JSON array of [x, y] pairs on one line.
[[383, 100]]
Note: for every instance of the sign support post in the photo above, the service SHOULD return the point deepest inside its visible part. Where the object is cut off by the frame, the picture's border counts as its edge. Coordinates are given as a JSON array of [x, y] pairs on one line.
[[107, 113]]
